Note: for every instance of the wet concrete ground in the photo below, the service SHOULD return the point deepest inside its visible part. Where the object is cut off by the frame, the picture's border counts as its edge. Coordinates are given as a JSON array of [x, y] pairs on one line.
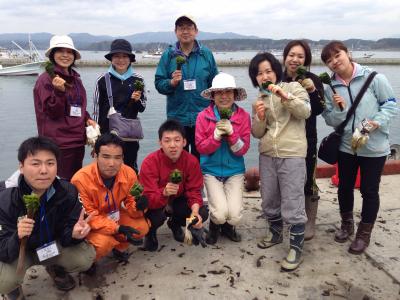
[[242, 271]]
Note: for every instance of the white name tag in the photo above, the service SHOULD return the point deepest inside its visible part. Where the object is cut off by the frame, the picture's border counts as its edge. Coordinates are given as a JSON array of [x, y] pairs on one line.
[[189, 85], [114, 215], [47, 251], [76, 111]]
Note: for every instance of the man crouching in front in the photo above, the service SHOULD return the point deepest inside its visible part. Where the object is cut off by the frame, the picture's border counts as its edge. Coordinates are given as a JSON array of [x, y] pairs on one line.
[[54, 234], [104, 187]]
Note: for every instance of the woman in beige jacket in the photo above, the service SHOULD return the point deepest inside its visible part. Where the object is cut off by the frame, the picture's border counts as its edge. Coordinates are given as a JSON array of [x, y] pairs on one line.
[[278, 117]]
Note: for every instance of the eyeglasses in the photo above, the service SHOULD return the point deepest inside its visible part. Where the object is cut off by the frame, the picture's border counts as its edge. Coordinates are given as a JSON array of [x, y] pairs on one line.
[[186, 28]]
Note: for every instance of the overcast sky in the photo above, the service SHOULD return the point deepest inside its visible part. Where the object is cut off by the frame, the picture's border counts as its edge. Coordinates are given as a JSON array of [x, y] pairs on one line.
[[323, 19]]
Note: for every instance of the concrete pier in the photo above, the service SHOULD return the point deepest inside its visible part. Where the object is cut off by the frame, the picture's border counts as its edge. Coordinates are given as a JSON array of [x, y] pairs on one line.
[[233, 63]]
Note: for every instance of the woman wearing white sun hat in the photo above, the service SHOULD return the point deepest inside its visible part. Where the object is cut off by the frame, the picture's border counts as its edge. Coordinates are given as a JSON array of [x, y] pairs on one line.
[[60, 105], [222, 140]]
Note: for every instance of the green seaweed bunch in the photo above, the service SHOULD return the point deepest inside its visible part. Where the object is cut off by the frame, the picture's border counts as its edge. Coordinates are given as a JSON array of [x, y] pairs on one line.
[[32, 203], [325, 78], [180, 60], [138, 85], [136, 190], [49, 67], [225, 113], [301, 72], [265, 85], [175, 176]]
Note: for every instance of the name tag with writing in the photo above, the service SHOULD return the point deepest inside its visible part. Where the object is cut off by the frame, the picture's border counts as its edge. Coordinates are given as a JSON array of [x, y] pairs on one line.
[[114, 215], [47, 251], [76, 111], [189, 85]]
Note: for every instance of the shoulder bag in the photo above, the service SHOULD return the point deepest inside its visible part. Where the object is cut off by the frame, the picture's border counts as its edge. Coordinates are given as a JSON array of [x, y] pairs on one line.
[[329, 148], [126, 129]]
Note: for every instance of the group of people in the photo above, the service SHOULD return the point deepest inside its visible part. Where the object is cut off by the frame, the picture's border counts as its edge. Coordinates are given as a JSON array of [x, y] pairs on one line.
[[89, 212]]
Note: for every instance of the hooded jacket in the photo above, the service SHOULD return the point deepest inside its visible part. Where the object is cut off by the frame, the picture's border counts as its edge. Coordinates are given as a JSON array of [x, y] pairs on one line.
[[62, 212], [225, 157], [378, 104], [282, 134], [182, 105], [99, 200], [52, 108]]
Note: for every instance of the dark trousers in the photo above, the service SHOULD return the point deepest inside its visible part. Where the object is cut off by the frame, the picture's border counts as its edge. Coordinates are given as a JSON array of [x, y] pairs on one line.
[[311, 188], [70, 161], [181, 211], [371, 171], [131, 150], [190, 138]]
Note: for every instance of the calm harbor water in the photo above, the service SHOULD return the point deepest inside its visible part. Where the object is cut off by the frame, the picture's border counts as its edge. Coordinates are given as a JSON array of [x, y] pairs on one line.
[[17, 117]]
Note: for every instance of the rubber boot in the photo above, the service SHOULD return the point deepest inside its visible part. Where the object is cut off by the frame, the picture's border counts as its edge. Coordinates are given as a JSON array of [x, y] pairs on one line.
[[150, 241], [176, 229], [362, 239], [294, 257], [213, 233], [274, 235], [311, 211], [230, 232], [346, 228]]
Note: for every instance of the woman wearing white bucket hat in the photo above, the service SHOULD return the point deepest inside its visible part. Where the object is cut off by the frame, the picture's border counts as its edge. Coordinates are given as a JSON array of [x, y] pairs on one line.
[[60, 105], [222, 138]]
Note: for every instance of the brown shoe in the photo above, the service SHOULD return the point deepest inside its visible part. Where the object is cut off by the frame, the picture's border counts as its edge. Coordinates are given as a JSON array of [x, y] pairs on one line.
[[62, 280], [362, 239], [346, 228]]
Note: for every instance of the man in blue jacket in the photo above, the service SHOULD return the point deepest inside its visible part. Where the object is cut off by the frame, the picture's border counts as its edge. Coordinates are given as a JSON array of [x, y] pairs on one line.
[[183, 87]]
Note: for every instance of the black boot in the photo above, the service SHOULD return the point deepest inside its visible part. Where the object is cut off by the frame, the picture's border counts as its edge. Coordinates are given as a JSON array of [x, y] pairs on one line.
[[294, 257], [274, 235], [229, 231], [213, 233], [150, 241], [176, 229], [62, 280]]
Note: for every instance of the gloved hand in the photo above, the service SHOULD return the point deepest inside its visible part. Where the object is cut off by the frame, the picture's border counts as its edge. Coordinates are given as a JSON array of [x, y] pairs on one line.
[[308, 85], [142, 202], [225, 126], [129, 232], [218, 133], [198, 234]]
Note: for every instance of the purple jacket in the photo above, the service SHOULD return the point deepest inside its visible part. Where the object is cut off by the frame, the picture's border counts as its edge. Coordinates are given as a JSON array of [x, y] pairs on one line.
[[52, 108]]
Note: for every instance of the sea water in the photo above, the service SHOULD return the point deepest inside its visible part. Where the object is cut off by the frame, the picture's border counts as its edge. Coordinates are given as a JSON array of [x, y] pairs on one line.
[[17, 116]]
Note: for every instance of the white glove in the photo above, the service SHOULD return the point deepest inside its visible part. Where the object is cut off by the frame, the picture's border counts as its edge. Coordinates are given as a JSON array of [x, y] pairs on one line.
[[92, 134], [218, 133], [225, 126]]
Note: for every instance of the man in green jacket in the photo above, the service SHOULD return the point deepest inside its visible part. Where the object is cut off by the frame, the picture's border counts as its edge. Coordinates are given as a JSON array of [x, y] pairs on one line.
[[183, 87]]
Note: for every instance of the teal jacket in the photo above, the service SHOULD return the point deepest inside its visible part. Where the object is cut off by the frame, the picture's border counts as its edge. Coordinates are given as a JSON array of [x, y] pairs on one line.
[[378, 104], [200, 65]]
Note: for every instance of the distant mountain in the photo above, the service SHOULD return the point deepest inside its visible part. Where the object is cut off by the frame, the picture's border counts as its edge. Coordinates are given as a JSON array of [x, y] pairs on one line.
[[84, 41], [227, 41]]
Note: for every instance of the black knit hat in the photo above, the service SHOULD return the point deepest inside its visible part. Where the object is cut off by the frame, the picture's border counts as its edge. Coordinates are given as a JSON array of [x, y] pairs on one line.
[[120, 46]]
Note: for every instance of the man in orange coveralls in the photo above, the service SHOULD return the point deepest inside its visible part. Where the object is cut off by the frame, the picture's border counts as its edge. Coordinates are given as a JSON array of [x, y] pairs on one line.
[[104, 190]]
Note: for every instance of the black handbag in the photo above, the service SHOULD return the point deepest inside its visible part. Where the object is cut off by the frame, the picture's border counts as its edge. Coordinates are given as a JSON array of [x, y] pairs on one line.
[[329, 147]]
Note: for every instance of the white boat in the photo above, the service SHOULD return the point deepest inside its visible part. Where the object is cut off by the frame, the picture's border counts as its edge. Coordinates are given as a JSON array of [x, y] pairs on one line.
[[32, 67], [155, 54]]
